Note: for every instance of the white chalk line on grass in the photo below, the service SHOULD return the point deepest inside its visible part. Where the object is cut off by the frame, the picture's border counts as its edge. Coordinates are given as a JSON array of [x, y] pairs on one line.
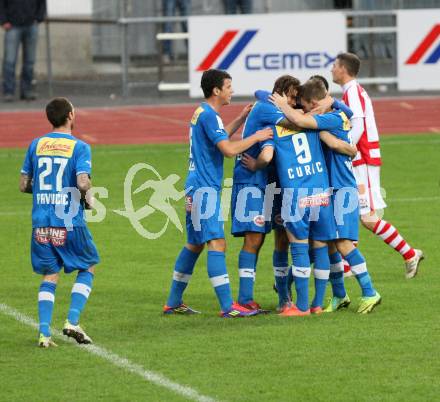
[[116, 360]]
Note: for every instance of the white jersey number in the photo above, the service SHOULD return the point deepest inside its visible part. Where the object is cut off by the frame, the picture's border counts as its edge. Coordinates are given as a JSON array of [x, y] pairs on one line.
[[47, 163], [302, 148]]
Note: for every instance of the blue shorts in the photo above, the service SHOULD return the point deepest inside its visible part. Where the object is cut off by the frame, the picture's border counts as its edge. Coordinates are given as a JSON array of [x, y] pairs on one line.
[[309, 217], [248, 214], [204, 221], [347, 223], [54, 247], [277, 220]]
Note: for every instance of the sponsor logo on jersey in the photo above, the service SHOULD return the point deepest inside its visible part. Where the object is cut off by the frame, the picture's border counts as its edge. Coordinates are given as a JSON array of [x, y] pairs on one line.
[[318, 200], [55, 147], [424, 47], [196, 115], [346, 125], [56, 236], [259, 220], [284, 132]]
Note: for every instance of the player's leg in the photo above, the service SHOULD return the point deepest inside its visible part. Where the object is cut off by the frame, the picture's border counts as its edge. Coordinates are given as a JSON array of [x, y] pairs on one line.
[[79, 253], [391, 236], [248, 221], [281, 267], [183, 270], [297, 234], [80, 293], [370, 201], [247, 261], [46, 301], [218, 275], [45, 262], [340, 297], [370, 297], [321, 271]]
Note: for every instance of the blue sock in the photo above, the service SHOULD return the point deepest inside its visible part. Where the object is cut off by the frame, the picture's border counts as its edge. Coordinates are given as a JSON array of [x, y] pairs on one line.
[[337, 275], [290, 280], [321, 271], [301, 273], [80, 293], [246, 269], [220, 279], [183, 270], [281, 269], [46, 300], [359, 268]]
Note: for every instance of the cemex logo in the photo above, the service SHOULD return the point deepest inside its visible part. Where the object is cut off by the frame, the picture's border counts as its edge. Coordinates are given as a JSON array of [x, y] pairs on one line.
[[221, 45], [261, 60], [424, 46]]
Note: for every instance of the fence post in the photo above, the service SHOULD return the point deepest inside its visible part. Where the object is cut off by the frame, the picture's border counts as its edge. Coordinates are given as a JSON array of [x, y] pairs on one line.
[[125, 58], [48, 59]]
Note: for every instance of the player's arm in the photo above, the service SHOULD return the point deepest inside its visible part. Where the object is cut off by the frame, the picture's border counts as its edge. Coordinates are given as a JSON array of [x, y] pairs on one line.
[[264, 158], [295, 116], [337, 145], [357, 128], [84, 184], [233, 148], [25, 183], [235, 124]]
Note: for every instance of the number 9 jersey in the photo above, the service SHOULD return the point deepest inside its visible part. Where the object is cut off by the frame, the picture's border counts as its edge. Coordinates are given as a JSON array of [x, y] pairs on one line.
[[53, 162]]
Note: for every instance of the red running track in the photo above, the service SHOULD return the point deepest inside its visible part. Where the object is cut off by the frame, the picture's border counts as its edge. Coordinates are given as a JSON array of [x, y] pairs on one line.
[[169, 124]]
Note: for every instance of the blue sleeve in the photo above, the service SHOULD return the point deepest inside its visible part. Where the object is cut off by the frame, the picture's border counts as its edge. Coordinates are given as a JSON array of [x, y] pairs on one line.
[[262, 95], [269, 114], [328, 121], [339, 105], [213, 127], [27, 167], [267, 143], [83, 161]]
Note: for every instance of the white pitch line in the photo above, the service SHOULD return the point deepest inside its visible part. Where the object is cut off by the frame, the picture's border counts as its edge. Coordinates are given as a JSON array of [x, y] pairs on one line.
[[116, 360], [415, 199]]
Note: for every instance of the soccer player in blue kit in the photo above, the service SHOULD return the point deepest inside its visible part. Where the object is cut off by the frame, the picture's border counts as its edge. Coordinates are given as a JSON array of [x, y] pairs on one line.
[[345, 198], [307, 208], [57, 170], [280, 255], [209, 143], [248, 193]]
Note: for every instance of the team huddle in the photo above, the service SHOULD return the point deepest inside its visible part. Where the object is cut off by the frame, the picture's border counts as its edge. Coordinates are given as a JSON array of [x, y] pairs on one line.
[[307, 168], [296, 173]]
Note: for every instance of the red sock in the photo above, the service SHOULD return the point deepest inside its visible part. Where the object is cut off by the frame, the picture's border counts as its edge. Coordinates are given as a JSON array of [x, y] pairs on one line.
[[389, 234]]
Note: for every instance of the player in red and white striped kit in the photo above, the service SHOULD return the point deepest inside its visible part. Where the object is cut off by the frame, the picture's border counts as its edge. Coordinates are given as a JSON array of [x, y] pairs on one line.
[[366, 165]]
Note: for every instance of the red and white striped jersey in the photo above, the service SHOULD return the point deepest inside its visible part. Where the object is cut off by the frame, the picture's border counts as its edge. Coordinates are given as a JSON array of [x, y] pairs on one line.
[[360, 103]]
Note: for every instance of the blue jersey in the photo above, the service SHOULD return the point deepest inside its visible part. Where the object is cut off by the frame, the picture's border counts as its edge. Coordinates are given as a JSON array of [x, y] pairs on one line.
[[299, 159], [262, 115], [54, 161], [339, 166], [205, 159]]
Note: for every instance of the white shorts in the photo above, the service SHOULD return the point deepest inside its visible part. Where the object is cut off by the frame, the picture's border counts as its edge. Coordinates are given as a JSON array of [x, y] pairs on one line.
[[368, 182]]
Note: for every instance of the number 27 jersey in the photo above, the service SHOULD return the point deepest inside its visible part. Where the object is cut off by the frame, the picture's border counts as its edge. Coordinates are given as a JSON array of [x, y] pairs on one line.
[[53, 162]]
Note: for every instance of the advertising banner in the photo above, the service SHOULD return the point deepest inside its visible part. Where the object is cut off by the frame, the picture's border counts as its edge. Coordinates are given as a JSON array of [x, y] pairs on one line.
[[258, 48], [418, 49]]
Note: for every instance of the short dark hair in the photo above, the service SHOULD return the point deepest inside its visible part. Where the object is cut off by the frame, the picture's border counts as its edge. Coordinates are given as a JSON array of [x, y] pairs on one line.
[[313, 89], [351, 62], [213, 79], [57, 111], [284, 83], [323, 79]]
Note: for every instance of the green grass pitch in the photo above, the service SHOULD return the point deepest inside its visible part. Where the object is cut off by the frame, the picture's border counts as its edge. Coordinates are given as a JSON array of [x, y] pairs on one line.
[[389, 355]]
